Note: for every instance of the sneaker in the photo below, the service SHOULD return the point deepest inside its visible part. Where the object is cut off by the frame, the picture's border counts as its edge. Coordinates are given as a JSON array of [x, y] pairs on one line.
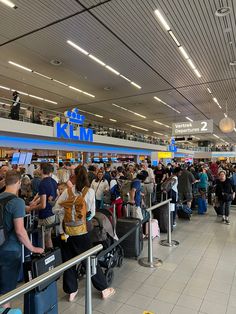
[[174, 224], [223, 220], [227, 221]]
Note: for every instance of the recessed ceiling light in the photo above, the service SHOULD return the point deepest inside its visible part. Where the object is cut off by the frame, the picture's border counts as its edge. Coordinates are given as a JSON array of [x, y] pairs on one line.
[[234, 129], [97, 60], [155, 121], [50, 101], [113, 120], [98, 115], [36, 97], [112, 70], [56, 62], [216, 136], [162, 20], [184, 53], [223, 11], [161, 101], [9, 4], [59, 82], [158, 133], [74, 88], [77, 47], [233, 63], [225, 115], [107, 88], [20, 66], [91, 95]]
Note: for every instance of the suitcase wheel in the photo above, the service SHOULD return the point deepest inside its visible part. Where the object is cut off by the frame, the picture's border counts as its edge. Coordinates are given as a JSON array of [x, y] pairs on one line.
[[120, 261], [109, 274]]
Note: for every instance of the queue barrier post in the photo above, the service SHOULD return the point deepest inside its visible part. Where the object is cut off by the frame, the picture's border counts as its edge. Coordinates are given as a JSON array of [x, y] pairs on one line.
[[169, 242], [150, 261]]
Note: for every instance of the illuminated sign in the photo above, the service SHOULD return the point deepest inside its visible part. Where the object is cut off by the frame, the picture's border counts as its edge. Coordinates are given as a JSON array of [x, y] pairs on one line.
[[164, 155], [69, 155], [73, 129], [190, 128]]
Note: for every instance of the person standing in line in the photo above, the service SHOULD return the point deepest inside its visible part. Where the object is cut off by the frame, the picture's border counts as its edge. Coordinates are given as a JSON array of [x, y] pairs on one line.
[[13, 220], [225, 193], [202, 187], [28, 114], [15, 108], [43, 202], [148, 185], [99, 185], [185, 186]]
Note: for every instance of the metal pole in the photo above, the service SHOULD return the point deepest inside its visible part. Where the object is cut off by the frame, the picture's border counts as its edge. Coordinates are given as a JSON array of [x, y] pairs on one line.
[[88, 292], [169, 242], [150, 250]]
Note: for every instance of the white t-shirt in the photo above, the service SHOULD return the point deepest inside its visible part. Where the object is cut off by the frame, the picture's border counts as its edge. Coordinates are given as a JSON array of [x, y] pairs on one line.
[[99, 187], [151, 176]]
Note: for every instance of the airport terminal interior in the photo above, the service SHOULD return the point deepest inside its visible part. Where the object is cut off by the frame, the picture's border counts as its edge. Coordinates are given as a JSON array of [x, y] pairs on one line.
[[118, 153]]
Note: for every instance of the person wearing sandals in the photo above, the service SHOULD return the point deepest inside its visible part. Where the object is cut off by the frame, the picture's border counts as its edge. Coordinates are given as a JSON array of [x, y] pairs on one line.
[[225, 193], [77, 244]]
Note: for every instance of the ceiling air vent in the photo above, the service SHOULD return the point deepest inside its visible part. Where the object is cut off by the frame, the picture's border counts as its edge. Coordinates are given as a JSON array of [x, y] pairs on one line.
[[56, 62], [223, 11]]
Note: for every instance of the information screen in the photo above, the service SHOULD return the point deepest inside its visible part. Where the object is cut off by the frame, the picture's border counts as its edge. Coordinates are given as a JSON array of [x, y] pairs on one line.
[[22, 158], [28, 158], [15, 158]]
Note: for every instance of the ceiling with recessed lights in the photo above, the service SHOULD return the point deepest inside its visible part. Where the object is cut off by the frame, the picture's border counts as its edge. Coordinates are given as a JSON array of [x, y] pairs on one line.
[[142, 65]]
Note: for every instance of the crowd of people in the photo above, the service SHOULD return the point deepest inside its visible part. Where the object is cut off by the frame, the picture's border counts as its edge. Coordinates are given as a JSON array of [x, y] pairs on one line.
[[52, 190]]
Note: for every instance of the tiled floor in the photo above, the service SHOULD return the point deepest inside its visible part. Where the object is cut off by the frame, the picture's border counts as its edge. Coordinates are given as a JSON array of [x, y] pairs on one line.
[[196, 277]]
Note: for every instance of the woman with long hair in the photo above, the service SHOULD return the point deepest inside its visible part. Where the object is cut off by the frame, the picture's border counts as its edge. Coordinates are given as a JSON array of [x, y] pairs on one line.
[[99, 185], [80, 243]]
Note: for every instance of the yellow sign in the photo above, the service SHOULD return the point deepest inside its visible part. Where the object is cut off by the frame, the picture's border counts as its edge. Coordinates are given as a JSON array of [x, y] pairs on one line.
[[69, 155], [164, 155], [148, 312]]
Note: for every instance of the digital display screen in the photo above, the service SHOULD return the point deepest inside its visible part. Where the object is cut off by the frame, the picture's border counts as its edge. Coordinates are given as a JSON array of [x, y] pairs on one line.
[[22, 158], [15, 158], [28, 158], [105, 159]]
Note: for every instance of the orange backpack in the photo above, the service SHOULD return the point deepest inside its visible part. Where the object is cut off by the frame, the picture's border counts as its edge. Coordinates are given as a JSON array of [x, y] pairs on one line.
[[74, 222]]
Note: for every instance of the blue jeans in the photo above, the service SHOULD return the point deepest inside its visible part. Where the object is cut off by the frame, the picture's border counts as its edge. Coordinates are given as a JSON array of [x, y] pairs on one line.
[[10, 263]]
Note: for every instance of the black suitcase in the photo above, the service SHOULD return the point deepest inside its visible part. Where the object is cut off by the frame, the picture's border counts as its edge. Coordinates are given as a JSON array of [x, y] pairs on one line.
[[43, 302], [162, 215], [133, 244]]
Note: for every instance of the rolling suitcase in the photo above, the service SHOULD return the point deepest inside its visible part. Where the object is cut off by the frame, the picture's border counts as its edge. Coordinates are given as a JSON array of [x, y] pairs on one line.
[[202, 207], [133, 244], [184, 212], [155, 229], [42, 302]]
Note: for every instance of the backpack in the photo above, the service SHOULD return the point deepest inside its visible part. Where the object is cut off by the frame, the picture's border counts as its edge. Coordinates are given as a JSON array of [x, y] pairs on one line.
[[74, 222], [3, 231], [168, 184], [124, 187]]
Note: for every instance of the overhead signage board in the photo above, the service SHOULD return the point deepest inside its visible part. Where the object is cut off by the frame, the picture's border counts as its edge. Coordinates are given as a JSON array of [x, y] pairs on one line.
[[190, 128], [164, 155], [73, 129]]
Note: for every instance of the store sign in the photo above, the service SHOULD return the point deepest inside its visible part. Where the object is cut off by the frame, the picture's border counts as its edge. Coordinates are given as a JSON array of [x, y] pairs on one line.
[[164, 155], [72, 129], [195, 127], [69, 155]]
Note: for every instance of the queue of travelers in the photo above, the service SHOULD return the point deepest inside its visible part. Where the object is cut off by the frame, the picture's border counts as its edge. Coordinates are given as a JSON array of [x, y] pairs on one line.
[[49, 189]]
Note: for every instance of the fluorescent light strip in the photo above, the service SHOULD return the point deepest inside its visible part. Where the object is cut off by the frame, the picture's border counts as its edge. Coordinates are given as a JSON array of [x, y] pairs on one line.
[[158, 133], [216, 136], [59, 82], [209, 91], [77, 47], [9, 4], [184, 53], [174, 38], [113, 120], [225, 115], [4, 87], [197, 73], [136, 85], [97, 60], [190, 62], [234, 129], [50, 101], [36, 97], [137, 127], [20, 66], [102, 63], [98, 115], [45, 76], [155, 121], [49, 78], [189, 119], [135, 113], [22, 93], [125, 78], [112, 70], [164, 103], [162, 20]]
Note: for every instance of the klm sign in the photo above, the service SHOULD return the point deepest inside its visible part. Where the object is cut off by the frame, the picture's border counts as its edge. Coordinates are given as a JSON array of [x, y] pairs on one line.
[[72, 130]]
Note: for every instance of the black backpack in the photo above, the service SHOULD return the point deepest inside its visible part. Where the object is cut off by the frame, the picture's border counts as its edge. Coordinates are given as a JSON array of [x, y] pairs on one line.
[[3, 231]]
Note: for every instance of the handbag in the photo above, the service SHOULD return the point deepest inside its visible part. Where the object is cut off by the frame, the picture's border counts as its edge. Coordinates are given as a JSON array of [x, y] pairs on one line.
[[136, 212]]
